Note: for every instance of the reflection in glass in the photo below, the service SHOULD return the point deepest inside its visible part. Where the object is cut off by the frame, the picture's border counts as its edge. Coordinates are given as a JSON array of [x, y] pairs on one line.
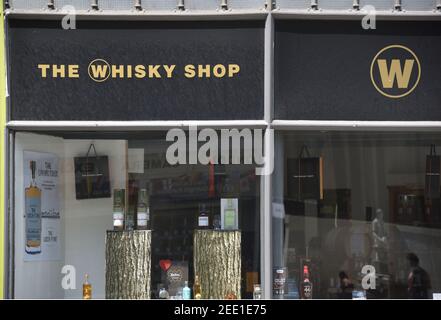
[[375, 210]]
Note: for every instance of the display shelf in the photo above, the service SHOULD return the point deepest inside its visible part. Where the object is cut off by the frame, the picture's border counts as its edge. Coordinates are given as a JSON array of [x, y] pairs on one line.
[[128, 264], [217, 262]]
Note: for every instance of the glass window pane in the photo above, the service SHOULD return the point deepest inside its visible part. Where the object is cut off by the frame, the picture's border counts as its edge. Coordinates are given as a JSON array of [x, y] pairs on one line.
[[349, 203], [73, 188]]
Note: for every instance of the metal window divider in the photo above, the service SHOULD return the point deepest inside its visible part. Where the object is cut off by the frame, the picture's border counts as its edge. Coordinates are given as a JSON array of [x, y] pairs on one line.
[[266, 251]]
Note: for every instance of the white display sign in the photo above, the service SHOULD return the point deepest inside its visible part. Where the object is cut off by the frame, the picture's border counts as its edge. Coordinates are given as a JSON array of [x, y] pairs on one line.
[[41, 207], [136, 160]]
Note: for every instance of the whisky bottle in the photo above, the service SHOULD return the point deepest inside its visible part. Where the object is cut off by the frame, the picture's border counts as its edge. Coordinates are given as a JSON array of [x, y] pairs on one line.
[[87, 288], [197, 288], [130, 214], [143, 210], [33, 214], [306, 285], [203, 219], [118, 209]]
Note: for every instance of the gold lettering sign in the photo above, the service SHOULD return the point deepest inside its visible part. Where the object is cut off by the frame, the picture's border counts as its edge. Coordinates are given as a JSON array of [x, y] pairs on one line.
[[99, 70], [395, 71]]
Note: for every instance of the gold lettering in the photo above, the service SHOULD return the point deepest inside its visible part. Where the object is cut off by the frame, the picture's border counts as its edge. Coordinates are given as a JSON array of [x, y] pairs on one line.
[[204, 70], [169, 70], [58, 71], [118, 71], [129, 71], [73, 71], [219, 70], [189, 71], [233, 69], [388, 76], [140, 71], [43, 68], [99, 71], [153, 71]]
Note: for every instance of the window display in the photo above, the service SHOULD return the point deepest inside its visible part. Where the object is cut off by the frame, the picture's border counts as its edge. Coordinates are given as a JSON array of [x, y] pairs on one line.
[[164, 230], [374, 234]]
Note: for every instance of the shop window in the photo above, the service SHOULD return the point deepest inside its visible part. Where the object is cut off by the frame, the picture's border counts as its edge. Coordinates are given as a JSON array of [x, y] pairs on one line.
[[70, 188], [357, 216]]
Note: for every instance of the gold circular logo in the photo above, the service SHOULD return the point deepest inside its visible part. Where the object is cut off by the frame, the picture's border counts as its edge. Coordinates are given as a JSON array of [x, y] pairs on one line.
[[395, 71], [99, 70]]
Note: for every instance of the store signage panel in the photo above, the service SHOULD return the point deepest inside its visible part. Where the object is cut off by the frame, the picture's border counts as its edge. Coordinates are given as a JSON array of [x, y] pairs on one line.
[[136, 70], [336, 70]]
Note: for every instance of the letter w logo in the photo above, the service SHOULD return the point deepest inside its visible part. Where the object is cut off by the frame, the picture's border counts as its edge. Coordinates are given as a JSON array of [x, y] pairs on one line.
[[395, 71], [99, 71]]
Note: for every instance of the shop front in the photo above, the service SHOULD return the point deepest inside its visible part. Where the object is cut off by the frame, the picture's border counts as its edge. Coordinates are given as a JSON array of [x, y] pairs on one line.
[[99, 191], [355, 184], [130, 158]]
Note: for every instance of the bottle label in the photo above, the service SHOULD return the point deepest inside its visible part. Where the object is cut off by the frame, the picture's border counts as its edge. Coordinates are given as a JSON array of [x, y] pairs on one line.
[[143, 216], [33, 220], [118, 216], [230, 221], [307, 291], [142, 223], [117, 223], [203, 221]]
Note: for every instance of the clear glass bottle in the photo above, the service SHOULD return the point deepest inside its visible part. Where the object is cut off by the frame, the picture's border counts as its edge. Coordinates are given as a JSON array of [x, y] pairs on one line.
[[87, 288], [163, 294], [118, 209], [143, 210], [186, 292], [33, 214], [257, 292]]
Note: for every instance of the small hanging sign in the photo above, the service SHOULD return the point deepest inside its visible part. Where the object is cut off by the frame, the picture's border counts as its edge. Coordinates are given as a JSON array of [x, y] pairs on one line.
[[92, 176]]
